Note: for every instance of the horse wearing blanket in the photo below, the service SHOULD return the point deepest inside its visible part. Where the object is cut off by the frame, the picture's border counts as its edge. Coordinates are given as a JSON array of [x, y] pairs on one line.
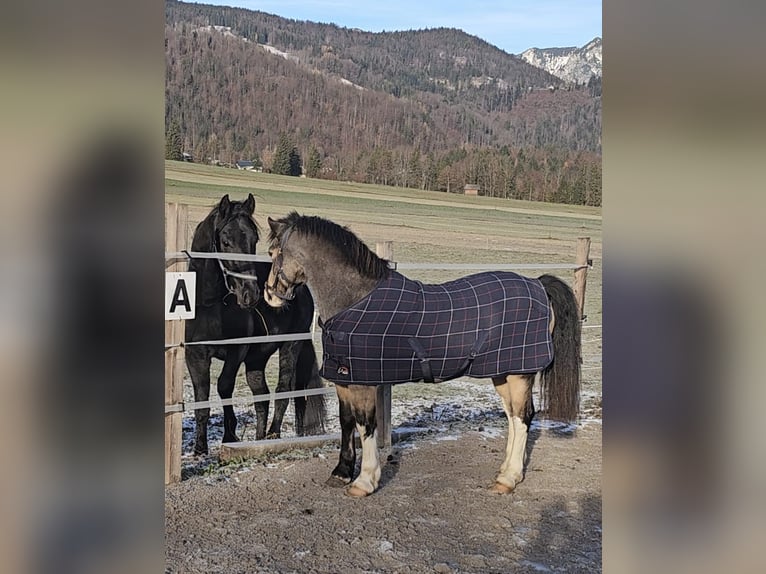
[[381, 328]]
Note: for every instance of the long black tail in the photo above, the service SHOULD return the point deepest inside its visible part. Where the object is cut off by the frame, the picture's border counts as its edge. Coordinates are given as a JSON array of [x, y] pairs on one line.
[[560, 382], [311, 411]]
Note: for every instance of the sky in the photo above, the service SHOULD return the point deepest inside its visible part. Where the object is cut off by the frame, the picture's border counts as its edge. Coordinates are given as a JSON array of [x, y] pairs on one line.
[[511, 25]]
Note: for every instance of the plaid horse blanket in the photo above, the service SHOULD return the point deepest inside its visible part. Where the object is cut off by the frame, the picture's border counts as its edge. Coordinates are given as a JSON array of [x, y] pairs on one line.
[[481, 325]]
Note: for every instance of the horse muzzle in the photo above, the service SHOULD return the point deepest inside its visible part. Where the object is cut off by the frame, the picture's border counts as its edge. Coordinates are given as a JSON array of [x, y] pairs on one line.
[[276, 299], [247, 298]]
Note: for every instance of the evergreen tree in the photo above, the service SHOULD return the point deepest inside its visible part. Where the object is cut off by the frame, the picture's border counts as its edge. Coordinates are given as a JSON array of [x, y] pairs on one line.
[[414, 170], [313, 163], [296, 167], [593, 194], [281, 164], [173, 144]]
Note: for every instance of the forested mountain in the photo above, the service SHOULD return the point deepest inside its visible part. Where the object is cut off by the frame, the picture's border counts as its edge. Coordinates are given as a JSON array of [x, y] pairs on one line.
[[432, 109]]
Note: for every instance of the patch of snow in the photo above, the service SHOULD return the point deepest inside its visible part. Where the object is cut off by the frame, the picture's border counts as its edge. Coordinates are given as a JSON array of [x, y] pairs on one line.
[[280, 53], [223, 30], [350, 83], [273, 50], [449, 437], [535, 565]]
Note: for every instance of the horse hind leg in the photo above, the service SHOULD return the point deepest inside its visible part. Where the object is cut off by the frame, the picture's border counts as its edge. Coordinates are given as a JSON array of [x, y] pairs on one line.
[[256, 380], [516, 394], [288, 357]]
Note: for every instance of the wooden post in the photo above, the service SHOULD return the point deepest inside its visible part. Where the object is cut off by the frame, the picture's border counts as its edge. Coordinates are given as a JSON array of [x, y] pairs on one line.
[[384, 249], [582, 258], [175, 238]]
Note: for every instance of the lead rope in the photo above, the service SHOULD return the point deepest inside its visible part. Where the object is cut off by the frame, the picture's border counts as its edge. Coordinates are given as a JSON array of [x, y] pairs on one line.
[[265, 327]]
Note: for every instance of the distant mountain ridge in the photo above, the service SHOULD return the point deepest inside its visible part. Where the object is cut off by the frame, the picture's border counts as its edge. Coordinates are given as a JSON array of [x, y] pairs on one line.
[[433, 109], [573, 65]]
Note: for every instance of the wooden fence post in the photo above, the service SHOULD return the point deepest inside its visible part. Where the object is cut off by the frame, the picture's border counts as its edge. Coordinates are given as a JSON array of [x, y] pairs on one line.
[[176, 216], [582, 258], [384, 249]]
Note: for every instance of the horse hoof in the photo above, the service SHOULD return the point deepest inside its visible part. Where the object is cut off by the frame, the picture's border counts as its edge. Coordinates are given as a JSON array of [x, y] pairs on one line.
[[499, 488], [356, 492], [336, 481]]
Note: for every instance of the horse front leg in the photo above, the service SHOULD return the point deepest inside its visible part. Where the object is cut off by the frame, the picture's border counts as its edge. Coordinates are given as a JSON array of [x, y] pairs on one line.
[[255, 367], [198, 364], [343, 473], [288, 357], [516, 394], [226, 380], [361, 402]]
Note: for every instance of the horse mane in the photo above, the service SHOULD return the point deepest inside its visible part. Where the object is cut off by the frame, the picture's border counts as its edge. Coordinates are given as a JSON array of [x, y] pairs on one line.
[[348, 245]]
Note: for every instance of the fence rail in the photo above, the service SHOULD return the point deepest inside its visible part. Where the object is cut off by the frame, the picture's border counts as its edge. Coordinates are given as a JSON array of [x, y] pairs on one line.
[[186, 407], [245, 340], [181, 255], [174, 404]]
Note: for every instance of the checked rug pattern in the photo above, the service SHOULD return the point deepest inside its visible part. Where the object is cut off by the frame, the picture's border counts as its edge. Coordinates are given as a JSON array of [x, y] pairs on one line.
[[482, 325]]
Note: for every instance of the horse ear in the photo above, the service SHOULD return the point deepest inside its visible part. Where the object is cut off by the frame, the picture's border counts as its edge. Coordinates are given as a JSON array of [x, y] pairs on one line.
[[276, 225], [250, 204], [224, 206]]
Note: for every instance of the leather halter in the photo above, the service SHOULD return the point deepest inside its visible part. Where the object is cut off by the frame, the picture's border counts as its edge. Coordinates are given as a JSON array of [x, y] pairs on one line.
[[224, 271], [279, 274]]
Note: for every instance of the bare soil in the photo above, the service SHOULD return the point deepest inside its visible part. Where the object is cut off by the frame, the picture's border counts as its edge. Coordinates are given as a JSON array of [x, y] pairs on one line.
[[432, 513]]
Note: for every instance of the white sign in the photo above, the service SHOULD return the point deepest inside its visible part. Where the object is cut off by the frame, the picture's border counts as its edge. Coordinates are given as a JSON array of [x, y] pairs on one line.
[[180, 292]]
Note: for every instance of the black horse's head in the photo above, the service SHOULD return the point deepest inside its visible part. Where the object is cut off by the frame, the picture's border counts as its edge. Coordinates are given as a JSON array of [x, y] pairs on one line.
[[236, 232]]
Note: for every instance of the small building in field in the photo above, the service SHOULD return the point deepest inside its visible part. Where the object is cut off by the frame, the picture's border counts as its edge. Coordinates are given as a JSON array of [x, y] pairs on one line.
[[245, 164], [471, 189], [186, 156]]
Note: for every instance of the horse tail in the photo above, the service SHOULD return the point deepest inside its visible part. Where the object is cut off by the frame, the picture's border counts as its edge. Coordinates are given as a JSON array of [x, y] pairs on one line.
[[560, 381], [311, 411]]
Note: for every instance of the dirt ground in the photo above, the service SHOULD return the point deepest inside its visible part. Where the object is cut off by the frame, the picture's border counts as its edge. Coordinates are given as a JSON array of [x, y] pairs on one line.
[[432, 513]]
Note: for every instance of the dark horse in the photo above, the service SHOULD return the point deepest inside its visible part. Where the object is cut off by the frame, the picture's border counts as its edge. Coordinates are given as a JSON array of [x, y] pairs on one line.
[[380, 327], [229, 305]]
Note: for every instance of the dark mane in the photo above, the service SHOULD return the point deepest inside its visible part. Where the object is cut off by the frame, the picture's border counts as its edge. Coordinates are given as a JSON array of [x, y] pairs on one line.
[[353, 249]]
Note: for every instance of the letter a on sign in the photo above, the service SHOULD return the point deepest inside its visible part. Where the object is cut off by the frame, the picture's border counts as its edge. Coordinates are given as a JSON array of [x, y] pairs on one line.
[[180, 292]]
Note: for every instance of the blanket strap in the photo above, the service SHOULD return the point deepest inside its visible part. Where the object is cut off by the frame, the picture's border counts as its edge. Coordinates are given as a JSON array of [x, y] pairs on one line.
[[425, 360], [425, 364]]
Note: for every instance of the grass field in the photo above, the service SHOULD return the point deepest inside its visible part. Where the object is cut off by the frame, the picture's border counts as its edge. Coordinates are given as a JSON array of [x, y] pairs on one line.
[[424, 226]]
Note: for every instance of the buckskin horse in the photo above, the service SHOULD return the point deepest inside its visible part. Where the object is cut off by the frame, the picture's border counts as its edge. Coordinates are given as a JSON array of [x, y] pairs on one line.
[[381, 328], [229, 305]]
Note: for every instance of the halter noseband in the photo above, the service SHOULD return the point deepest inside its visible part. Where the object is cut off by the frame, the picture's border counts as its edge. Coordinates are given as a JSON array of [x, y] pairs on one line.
[[280, 274], [227, 272]]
